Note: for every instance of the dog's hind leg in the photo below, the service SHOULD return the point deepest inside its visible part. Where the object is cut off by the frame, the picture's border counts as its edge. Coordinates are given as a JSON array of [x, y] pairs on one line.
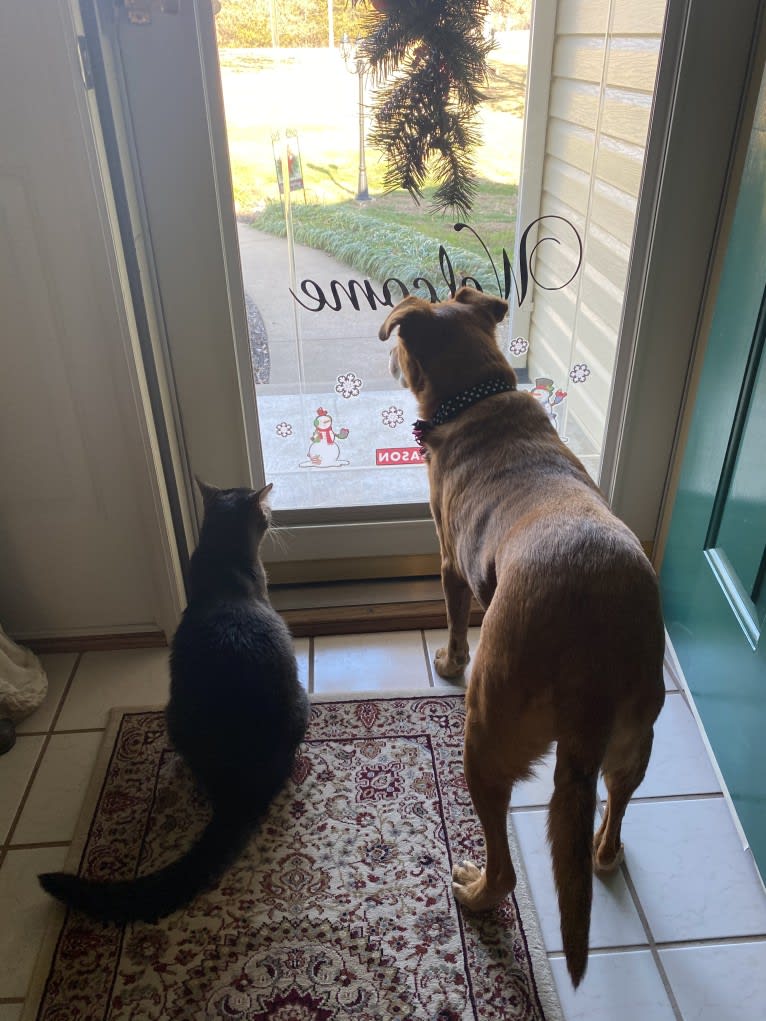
[[452, 661], [570, 832], [625, 762]]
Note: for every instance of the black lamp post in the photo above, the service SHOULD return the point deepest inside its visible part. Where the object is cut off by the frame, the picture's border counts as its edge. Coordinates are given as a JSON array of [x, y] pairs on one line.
[[355, 64]]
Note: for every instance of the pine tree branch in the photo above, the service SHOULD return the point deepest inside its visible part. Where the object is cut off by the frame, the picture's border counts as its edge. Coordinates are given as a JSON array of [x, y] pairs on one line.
[[429, 59]]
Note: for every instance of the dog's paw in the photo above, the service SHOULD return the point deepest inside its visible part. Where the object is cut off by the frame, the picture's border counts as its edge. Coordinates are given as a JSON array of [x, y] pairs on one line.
[[465, 874], [603, 864], [469, 885], [450, 668]]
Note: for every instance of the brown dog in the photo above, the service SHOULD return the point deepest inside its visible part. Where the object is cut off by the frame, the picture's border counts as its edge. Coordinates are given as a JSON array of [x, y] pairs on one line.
[[572, 641]]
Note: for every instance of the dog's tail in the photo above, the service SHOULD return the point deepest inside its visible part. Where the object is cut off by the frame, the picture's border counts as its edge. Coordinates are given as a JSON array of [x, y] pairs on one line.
[[150, 897], [570, 832]]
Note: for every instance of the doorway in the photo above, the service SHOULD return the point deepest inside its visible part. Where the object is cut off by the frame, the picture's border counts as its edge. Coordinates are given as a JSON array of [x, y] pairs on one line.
[[275, 252]]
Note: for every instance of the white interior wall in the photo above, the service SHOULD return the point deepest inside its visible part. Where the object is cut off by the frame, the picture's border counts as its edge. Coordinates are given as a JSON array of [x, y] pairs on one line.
[[83, 544]]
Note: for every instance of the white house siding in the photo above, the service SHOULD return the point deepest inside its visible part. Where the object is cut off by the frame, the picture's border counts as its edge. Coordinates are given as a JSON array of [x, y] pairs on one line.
[[604, 66]]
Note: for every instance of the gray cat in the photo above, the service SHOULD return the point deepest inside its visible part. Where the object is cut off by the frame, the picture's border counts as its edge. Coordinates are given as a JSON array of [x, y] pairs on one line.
[[237, 711]]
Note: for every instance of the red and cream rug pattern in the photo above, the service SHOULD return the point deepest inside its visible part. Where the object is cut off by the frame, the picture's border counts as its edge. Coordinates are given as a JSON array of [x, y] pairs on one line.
[[340, 908]]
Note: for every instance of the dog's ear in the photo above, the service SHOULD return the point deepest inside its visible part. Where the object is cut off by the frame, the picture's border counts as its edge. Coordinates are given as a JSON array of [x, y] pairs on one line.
[[409, 309], [495, 308]]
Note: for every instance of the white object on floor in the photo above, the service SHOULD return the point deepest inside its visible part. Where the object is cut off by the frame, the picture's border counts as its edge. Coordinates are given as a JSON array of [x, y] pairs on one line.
[[23, 682]]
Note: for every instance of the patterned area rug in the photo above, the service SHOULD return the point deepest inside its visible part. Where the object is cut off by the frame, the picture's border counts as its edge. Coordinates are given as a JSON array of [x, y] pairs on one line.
[[340, 908]]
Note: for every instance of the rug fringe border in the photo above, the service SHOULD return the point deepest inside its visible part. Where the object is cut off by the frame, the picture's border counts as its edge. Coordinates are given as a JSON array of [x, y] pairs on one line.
[[543, 975]]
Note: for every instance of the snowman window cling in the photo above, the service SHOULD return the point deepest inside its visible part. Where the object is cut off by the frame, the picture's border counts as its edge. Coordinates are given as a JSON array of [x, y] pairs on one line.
[[324, 451], [549, 397]]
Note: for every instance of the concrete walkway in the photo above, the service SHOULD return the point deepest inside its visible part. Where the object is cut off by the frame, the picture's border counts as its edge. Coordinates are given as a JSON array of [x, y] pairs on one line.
[[332, 343]]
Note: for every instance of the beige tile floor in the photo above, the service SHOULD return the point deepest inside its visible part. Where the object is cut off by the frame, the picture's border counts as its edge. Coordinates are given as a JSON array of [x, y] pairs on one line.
[[678, 933]]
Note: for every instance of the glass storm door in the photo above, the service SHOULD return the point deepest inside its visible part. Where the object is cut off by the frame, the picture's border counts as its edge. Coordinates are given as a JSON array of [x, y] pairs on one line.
[[276, 246], [714, 571], [324, 259]]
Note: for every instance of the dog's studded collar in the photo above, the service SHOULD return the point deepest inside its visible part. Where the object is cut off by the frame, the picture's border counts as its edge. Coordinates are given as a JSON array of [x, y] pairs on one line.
[[452, 407]]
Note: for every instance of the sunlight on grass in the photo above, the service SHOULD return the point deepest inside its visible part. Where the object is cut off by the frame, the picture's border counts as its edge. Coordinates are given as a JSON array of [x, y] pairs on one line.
[[311, 93]]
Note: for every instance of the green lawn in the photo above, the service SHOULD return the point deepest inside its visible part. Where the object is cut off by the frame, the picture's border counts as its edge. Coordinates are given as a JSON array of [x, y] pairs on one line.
[[311, 94], [493, 216]]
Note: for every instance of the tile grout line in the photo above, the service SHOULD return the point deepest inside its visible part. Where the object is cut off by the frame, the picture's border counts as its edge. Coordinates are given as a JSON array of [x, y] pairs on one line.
[[38, 845], [68, 730], [38, 763], [711, 941], [657, 799], [688, 944], [429, 671], [625, 948], [652, 944], [678, 944], [65, 693]]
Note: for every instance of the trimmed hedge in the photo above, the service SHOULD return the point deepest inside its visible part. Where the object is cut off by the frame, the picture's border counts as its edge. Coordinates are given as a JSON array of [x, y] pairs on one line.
[[374, 248]]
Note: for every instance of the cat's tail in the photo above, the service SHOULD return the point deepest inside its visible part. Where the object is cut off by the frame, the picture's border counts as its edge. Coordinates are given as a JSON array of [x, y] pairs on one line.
[[151, 897]]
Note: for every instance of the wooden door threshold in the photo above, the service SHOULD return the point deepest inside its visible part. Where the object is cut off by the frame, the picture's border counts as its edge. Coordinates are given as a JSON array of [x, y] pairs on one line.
[[349, 620]]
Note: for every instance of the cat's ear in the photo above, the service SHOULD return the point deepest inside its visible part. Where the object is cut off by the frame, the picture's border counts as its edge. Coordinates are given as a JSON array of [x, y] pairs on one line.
[[262, 494], [259, 506], [207, 492]]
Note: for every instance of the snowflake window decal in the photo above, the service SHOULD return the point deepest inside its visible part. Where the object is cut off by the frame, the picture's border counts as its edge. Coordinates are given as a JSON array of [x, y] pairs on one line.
[[519, 347], [579, 373], [348, 385], [284, 429], [392, 417]]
